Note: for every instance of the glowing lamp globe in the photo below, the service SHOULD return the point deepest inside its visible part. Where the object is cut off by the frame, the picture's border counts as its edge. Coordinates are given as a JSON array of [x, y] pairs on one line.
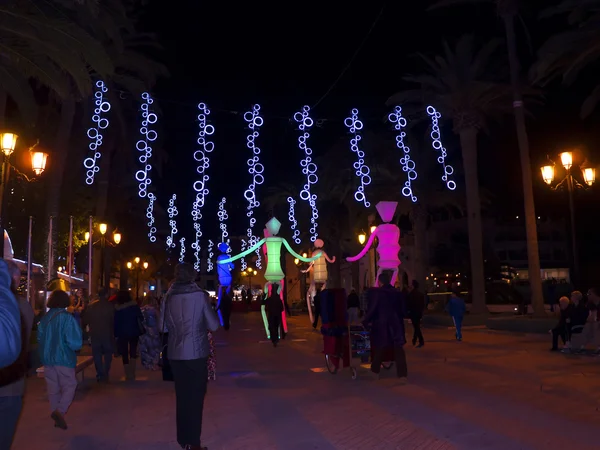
[[137, 259], [38, 162], [103, 228], [129, 265], [8, 142], [296, 261], [117, 237], [566, 158], [548, 174], [87, 236], [362, 238], [589, 175], [145, 264], [372, 229]]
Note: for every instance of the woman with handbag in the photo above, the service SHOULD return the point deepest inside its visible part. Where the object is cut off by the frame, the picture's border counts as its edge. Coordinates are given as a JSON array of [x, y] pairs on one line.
[[129, 326]]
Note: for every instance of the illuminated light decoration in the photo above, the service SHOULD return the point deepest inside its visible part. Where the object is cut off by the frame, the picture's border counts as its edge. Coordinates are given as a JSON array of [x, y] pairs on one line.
[[201, 156], [102, 106], [408, 165], [150, 217], [182, 251], [222, 215], [144, 145], [209, 263], [388, 248], [309, 168], [273, 273], [436, 143], [256, 170], [172, 211], [362, 171], [320, 274], [293, 221]]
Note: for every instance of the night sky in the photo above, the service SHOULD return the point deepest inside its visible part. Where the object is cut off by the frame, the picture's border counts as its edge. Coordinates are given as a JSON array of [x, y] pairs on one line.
[[231, 55]]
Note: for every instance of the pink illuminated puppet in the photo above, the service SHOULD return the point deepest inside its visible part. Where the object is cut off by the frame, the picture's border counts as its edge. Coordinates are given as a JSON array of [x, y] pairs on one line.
[[319, 273], [389, 242], [273, 272]]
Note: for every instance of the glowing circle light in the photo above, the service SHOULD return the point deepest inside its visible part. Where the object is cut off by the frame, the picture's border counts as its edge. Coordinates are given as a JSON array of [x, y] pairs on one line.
[[182, 251], [293, 221], [408, 165], [256, 170], [436, 143], [102, 106], [201, 156], [223, 216], [362, 171], [150, 217], [172, 211], [144, 145], [209, 261], [309, 168]]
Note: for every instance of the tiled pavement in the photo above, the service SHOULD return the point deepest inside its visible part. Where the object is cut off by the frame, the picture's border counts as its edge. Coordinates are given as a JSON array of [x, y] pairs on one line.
[[492, 391]]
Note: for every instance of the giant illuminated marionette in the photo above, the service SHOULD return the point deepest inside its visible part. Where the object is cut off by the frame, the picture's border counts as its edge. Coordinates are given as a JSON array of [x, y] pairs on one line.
[[389, 242], [319, 273], [225, 278], [273, 273]]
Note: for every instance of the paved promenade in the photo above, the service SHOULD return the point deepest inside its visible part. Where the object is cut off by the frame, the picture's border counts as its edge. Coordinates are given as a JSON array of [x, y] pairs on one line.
[[491, 391]]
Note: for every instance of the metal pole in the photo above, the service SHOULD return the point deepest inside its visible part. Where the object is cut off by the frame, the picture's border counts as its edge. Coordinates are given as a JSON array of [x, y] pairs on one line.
[[3, 181], [575, 252], [90, 251], [50, 250], [102, 246], [29, 260], [70, 262], [137, 283]]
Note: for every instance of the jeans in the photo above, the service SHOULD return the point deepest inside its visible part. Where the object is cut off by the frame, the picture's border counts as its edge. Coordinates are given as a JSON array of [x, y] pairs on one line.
[[128, 348], [102, 351], [61, 384], [352, 315], [458, 324], [191, 379], [10, 410], [399, 359], [417, 334]]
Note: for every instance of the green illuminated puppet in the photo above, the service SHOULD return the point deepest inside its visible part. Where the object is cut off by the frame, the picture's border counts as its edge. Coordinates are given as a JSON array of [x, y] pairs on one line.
[[273, 272]]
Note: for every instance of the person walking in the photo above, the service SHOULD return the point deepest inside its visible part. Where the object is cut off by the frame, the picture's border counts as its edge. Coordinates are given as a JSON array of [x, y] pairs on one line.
[[129, 326], [189, 316], [416, 307], [274, 308], [12, 378], [353, 307], [385, 314], [99, 316], [59, 337], [456, 309], [151, 341]]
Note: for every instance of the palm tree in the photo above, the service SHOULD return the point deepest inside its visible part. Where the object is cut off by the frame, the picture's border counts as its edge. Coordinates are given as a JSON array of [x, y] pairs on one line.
[[460, 84], [568, 53], [508, 10]]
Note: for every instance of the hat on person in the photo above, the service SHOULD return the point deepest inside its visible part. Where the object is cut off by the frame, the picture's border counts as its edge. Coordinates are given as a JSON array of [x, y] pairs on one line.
[[185, 273]]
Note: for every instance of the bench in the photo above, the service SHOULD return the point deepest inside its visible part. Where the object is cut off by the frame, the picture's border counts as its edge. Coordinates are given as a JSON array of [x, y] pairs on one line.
[[83, 362]]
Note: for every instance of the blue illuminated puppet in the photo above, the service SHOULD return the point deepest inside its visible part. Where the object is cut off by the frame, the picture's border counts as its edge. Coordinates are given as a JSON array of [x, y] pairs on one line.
[[225, 280]]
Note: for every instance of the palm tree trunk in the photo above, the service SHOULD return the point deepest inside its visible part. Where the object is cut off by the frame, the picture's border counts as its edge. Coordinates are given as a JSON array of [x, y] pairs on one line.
[[468, 143], [57, 168], [533, 255], [420, 235]]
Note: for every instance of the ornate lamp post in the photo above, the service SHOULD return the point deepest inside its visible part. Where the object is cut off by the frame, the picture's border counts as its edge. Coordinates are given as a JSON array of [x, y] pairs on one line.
[[8, 142], [103, 241], [589, 177], [249, 273], [138, 266]]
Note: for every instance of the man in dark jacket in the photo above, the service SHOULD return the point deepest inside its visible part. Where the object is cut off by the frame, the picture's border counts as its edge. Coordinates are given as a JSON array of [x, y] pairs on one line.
[[274, 307], [189, 316], [416, 306], [386, 315], [100, 318]]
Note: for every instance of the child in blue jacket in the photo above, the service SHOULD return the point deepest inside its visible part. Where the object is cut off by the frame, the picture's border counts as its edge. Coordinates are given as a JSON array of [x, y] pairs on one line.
[[456, 308]]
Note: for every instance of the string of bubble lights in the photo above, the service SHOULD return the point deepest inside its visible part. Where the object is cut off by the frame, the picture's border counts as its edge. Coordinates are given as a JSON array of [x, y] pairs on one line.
[[144, 145], [293, 221], [209, 262], [223, 216], [150, 217], [309, 168], [201, 156], [256, 170], [436, 143], [363, 172], [408, 165], [182, 251], [173, 212], [95, 132]]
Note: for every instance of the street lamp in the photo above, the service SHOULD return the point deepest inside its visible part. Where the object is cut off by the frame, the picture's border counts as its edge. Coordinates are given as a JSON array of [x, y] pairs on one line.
[[135, 265], [8, 143], [362, 238], [116, 240], [589, 177], [249, 273]]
